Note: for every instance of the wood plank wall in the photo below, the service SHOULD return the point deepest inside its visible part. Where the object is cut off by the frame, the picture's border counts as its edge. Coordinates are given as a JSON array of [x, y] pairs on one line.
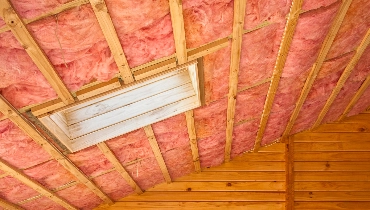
[[332, 166], [251, 181]]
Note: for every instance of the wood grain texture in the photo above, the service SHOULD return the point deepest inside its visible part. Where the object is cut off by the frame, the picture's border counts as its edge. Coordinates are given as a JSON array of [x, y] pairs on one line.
[[332, 166], [239, 176], [332, 186], [289, 175], [193, 139], [9, 206], [178, 30], [333, 205], [332, 196], [333, 146]]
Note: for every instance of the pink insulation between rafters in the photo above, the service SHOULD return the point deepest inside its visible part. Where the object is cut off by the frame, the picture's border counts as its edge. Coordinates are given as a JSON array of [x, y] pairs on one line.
[[244, 136], [15, 191], [362, 104], [144, 29], [321, 89], [113, 185], [27, 9], [353, 83], [310, 32], [43, 202], [80, 196]]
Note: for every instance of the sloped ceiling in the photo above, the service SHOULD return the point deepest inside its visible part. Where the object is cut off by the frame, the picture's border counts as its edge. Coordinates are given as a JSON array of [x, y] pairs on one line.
[[288, 67]]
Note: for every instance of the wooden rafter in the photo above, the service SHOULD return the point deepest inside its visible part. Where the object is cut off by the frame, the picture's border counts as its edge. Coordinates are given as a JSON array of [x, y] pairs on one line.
[[7, 109], [118, 166], [343, 78], [110, 34], [34, 185], [236, 46], [178, 30], [279, 66], [38, 56], [193, 139], [355, 98], [289, 174], [157, 152], [318, 64]]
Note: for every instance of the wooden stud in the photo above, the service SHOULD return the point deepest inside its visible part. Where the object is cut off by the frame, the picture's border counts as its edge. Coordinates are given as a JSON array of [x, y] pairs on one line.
[[355, 98], [178, 30], [278, 69], [47, 107], [34, 185], [118, 166], [110, 34], [157, 152], [289, 174], [207, 49], [9, 206], [193, 139], [318, 64], [7, 109], [236, 45], [200, 66], [343, 78], [98, 89], [38, 56]]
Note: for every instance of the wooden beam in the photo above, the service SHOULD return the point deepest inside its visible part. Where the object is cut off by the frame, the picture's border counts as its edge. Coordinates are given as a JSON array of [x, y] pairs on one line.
[[9, 206], [236, 46], [118, 166], [178, 30], [157, 152], [12, 171], [289, 175], [278, 69], [355, 98], [110, 34], [208, 48], [193, 139], [342, 80], [38, 56], [7, 109], [318, 64]]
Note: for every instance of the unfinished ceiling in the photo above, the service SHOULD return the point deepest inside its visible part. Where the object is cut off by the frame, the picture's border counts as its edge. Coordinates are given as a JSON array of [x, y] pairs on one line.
[[270, 68]]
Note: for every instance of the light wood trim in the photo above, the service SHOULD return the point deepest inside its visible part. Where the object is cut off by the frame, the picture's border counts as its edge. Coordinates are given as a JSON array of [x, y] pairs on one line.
[[236, 46], [289, 174], [38, 56], [157, 152], [118, 166], [10, 206], [208, 48], [7, 109], [318, 64], [355, 98], [200, 66], [178, 30], [98, 89], [342, 80], [110, 34], [12, 171], [47, 107], [193, 139], [278, 69]]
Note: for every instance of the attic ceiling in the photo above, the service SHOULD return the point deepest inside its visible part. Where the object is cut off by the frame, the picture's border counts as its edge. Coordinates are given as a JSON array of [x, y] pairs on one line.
[[271, 69]]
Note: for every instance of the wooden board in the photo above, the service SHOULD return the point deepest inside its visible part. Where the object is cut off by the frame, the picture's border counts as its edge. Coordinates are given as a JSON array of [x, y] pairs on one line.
[[250, 166], [332, 196], [332, 156], [332, 176], [332, 205], [235, 176], [331, 137], [332, 166], [332, 186], [344, 128], [332, 146]]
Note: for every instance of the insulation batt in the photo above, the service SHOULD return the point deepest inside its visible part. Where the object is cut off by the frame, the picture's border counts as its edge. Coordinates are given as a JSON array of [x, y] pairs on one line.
[[144, 29], [113, 185], [212, 150], [206, 21], [27, 9], [80, 196], [14, 191], [310, 32], [244, 136], [324, 84], [43, 202], [362, 104], [179, 161]]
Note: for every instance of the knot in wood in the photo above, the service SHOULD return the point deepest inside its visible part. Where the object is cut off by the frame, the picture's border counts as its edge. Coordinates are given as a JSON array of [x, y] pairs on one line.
[[100, 6], [362, 129], [228, 184], [189, 189], [10, 17]]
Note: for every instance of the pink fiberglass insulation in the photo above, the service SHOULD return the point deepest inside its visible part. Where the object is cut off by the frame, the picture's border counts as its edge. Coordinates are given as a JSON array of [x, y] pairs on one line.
[[353, 29], [144, 29], [249, 103], [2, 23], [15, 191], [146, 173], [80, 196], [179, 161], [216, 74], [18, 149], [27, 9], [207, 21], [353, 83], [258, 11], [75, 45], [113, 185], [212, 150], [310, 32], [50, 174], [91, 161], [244, 136], [362, 104], [314, 4], [258, 54], [42, 203]]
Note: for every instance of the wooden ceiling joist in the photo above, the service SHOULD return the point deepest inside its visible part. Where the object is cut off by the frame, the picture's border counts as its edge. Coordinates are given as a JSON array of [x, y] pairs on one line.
[[7, 109], [38, 56], [193, 139], [110, 34], [355, 98], [343, 78], [318, 64], [118, 166], [236, 46], [157, 152], [278, 69], [178, 30], [12, 171]]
